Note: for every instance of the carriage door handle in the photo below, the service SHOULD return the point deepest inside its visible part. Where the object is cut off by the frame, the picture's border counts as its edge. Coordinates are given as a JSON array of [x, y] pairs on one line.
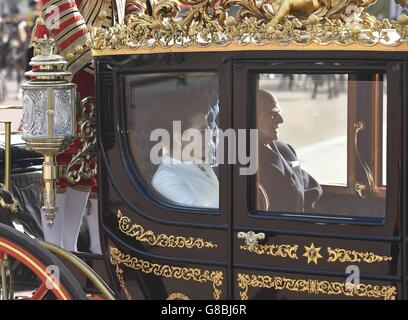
[[251, 238]]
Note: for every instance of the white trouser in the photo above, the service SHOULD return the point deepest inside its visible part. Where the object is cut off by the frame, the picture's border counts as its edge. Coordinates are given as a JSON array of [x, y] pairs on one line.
[[71, 207], [93, 225]]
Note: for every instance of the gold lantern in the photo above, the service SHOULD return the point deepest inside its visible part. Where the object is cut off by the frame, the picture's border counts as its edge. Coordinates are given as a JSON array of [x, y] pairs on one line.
[[49, 121]]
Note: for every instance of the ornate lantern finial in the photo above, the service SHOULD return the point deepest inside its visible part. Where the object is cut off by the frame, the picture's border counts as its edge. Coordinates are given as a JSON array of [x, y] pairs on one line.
[[49, 101]]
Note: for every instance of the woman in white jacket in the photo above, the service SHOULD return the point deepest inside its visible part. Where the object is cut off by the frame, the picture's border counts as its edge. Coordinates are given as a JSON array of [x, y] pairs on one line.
[[186, 183], [174, 117], [184, 176]]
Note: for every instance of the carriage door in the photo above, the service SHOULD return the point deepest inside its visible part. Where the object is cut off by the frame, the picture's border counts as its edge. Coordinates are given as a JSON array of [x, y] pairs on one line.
[[320, 217]]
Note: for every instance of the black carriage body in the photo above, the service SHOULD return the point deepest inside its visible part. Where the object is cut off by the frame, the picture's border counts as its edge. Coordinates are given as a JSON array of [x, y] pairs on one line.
[[155, 250]]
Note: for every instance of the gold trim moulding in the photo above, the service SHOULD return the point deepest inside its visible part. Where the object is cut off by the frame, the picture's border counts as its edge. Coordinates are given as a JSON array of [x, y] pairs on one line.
[[252, 47], [149, 237], [313, 286]]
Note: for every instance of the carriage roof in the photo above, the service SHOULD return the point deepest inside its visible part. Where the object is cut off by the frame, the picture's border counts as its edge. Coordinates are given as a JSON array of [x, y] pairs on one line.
[[251, 25]]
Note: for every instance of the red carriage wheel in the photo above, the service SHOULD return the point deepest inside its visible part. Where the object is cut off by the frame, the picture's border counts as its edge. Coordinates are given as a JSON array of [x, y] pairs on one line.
[[17, 252]]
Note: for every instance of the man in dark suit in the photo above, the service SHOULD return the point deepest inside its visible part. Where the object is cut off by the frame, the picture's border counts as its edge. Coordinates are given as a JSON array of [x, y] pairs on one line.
[[283, 186]]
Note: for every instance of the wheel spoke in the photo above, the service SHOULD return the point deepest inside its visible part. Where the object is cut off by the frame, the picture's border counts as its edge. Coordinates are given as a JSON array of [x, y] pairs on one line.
[[22, 259], [40, 292]]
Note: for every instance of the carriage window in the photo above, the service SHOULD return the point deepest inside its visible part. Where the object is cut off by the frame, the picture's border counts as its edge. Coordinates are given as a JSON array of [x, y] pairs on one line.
[[322, 144], [315, 107], [172, 131]]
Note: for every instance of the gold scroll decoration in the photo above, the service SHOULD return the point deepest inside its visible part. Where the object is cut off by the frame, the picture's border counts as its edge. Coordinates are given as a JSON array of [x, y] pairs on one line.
[[207, 22], [178, 296], [138, 233], [119, 275], [83, 165], [313, 253], [312, 286], [117, 259], [274, 250], [343, 255]]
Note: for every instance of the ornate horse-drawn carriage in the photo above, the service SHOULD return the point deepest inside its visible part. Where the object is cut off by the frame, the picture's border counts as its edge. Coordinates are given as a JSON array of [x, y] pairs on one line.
[[298, 190]]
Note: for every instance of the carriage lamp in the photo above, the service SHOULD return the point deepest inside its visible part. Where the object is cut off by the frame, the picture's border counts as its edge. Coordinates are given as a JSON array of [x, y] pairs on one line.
[[49, 102]]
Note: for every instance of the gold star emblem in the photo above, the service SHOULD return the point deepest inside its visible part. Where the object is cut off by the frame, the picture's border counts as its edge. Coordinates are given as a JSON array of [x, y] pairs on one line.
[[312, 253]]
